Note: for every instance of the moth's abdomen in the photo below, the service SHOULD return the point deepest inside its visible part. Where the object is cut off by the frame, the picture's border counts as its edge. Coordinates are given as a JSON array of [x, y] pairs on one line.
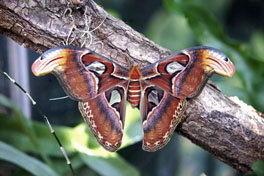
[[134, 93]]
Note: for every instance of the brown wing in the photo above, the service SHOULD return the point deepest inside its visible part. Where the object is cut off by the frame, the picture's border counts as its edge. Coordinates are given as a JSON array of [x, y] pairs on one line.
[[185, 73], [105, 116], [160, 114], [82, 74]]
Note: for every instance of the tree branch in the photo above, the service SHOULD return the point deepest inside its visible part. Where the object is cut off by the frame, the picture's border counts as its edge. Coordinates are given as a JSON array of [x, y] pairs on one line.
[[226, 127]]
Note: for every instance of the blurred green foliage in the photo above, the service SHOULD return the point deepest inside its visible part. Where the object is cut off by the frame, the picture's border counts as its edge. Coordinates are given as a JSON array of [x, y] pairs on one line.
[[35, 138], [174, 24], [258, 169]]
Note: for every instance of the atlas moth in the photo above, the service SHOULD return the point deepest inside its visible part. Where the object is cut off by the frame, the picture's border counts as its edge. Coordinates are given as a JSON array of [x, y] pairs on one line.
[[160, 90]]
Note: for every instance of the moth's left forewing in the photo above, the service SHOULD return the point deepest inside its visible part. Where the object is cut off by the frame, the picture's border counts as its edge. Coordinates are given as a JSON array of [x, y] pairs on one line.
[[160, 114], [105, 116]]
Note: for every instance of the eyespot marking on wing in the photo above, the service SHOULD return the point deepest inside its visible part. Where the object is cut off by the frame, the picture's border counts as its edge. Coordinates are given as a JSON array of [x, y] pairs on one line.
[[115, 98], [174, 67], [97, 67]]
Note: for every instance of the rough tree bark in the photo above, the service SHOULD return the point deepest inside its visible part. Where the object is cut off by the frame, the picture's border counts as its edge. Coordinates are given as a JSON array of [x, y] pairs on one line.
[[226, 127]]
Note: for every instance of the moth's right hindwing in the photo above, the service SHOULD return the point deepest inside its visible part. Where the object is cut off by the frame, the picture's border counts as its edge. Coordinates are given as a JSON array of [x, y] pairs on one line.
[[160, 114]]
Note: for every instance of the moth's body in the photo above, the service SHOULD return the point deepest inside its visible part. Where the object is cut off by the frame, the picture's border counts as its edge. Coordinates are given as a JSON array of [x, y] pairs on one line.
[[134, 86], [159, 90]]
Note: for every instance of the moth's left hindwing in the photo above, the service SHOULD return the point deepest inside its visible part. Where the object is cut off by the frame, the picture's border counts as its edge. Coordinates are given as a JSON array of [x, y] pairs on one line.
[[160, 114], [105, 115]]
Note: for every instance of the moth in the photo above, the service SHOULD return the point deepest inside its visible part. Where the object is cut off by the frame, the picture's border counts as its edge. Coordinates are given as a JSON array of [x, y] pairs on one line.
[[160, 90]]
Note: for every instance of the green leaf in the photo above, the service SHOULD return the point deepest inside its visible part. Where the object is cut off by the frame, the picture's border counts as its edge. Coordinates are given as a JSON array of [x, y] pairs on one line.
[[257, 43], [25, 126], [97, 158], [133, 128], [170, 30], [258, 167], [73, 139], [100, 160], [108, 164], [12, 133], [9, 153]]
